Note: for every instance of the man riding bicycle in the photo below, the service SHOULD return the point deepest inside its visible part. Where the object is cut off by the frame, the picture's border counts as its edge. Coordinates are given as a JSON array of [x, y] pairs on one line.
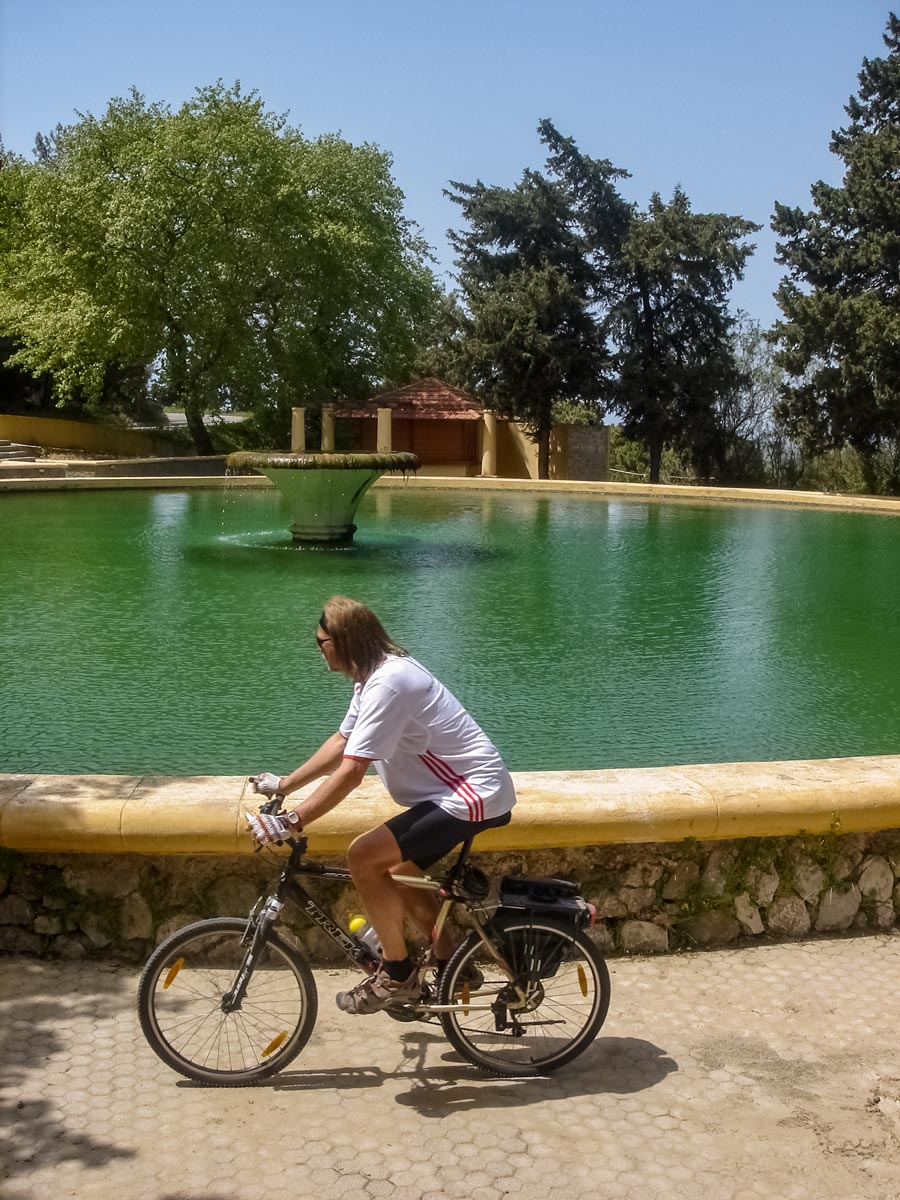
[[432, 757]]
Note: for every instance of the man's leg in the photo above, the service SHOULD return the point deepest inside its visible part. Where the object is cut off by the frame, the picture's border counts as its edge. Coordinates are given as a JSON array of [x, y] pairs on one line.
[[422, 908], [371, 858]]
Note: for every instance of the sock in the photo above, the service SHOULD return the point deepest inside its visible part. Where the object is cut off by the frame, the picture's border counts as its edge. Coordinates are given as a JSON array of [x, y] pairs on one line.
[[398, 969]]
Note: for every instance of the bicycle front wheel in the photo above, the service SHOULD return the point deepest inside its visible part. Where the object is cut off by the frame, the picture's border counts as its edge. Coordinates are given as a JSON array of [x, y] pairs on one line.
[[184, 1013], [561, 1001]]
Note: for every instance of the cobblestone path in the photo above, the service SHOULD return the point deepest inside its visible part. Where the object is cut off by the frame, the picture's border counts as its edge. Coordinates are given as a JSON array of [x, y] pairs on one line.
[[730, 1075]]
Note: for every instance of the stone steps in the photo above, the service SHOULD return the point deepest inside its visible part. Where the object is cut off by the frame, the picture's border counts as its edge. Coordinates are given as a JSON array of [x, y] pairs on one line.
[[17, 451]]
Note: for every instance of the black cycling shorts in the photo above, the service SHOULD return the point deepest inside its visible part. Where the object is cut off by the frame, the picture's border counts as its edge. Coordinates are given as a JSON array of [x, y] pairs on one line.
[[425, 832]]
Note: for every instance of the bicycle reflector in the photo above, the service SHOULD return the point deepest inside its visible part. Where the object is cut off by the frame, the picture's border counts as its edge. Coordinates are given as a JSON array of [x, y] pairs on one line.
[[274, 1044], [173, 971], [582, 980]]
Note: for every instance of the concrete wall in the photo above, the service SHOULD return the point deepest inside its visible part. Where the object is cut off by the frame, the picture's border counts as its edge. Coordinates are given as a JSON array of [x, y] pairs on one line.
[[516, 453], [123, 468], [82, 435], [578, 452]]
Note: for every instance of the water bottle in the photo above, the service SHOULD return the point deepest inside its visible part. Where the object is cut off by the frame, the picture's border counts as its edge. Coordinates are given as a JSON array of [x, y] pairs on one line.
[[361, 928]]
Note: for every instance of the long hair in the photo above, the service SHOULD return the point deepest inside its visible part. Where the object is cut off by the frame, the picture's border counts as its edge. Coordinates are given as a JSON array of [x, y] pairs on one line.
[[360, 640]]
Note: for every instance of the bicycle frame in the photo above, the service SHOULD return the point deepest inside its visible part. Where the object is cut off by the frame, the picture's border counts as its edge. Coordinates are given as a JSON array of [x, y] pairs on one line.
[[289, 889]]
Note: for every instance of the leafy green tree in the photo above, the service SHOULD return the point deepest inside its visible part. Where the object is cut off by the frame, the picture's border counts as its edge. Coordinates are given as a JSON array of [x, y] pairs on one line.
[[662, 278], [743, 427], [839, 336], [526, 336], [243, 265]]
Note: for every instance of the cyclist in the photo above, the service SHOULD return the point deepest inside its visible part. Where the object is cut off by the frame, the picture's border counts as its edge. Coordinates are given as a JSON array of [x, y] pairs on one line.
[[432, 757]]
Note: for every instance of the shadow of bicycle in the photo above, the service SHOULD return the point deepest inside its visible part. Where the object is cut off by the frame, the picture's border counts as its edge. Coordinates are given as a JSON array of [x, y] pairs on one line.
[[612, 1066]]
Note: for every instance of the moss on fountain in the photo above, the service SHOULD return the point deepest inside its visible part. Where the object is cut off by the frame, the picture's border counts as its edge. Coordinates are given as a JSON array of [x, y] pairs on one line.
[[322, 490], [401, 460]]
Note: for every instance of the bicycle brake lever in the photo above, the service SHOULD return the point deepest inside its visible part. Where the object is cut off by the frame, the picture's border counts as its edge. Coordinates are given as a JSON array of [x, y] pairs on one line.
[[272, 807]]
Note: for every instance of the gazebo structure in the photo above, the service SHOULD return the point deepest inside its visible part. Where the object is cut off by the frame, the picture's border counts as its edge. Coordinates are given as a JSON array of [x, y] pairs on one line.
[[453, 434], [445, 426]]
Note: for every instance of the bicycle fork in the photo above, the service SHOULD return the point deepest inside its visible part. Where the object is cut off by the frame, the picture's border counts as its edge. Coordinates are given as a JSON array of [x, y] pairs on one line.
[[234, 997]]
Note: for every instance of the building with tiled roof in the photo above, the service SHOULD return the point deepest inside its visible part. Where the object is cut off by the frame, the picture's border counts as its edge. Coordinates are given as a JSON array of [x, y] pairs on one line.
[[442, 424], [453, 434], [423, 400]]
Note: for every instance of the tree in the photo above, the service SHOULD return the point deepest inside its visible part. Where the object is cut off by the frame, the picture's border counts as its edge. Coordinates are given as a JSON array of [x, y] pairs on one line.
[[528, 338], [243, 264], [441, 350], [745, 431], [839, 337], [662, 279]]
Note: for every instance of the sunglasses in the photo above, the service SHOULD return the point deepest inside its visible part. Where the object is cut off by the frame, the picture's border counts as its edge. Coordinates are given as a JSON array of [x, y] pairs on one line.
[[320, 641]]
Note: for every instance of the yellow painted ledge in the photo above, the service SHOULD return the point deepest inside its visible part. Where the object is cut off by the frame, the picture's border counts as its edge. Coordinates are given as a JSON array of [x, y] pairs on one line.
[[204, 814], [885, 505]]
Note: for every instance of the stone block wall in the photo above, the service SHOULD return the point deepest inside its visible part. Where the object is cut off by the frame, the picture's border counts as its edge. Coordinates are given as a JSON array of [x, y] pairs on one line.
[[587, 452], [649, 897]]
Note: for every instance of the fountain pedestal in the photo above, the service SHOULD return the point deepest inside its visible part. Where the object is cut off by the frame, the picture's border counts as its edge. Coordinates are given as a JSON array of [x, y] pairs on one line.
[[323, 491]]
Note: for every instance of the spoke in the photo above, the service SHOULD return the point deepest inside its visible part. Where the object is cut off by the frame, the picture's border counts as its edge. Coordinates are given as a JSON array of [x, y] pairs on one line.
[[197, 1026]]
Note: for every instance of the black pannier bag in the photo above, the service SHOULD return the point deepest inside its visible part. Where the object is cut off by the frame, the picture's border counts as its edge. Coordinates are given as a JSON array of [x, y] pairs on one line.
[[552, 897], [556, 898]]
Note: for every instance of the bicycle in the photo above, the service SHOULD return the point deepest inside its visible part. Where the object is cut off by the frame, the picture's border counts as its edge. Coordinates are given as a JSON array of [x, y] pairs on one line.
[[229, 1002]]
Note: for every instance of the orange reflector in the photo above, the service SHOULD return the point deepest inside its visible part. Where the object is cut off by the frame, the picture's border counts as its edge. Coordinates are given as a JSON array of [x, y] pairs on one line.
[[173, 971], [465, 999], [582, 980], [274, 1044]]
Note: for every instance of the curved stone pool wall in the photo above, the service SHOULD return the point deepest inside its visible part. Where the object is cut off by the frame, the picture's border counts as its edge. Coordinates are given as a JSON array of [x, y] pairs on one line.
[[672, 857], [640, 491]]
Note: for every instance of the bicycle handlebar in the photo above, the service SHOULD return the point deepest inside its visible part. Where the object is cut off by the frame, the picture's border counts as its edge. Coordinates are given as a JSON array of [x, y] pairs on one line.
[[272, 806]]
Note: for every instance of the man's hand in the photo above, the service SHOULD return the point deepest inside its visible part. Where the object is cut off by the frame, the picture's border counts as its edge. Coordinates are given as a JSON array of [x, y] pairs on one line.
[[269, 829], [266, 784]]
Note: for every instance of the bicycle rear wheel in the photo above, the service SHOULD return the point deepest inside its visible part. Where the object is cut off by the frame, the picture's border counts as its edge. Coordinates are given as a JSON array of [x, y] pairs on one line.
[[180, 1004], [566, 984]]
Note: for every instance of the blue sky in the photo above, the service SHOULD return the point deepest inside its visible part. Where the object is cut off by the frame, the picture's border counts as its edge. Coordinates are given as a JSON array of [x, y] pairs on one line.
[[733, 100]]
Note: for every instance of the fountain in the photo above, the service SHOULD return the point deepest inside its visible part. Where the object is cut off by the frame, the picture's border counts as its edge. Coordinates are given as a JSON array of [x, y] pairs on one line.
[[322, 490]]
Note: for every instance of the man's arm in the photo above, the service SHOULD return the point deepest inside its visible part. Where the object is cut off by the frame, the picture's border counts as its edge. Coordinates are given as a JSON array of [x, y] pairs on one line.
[[331, 791], [327, 758]]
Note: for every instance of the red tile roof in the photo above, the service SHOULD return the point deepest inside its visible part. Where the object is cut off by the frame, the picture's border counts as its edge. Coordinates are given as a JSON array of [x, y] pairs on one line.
[[430, 399]]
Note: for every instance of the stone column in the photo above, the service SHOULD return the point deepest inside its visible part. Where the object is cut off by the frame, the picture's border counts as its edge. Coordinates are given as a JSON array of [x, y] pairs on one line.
[[489, 444], [298, 431], [327, 429], [383, 436]]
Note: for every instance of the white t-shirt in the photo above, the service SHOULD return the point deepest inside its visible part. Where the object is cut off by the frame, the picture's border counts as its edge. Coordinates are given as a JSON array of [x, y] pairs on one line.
[[424, 744]]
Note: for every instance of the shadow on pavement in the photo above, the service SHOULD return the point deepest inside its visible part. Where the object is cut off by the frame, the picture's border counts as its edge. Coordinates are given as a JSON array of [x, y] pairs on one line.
[[616, 1066], [612, 1066], [33, 1034]]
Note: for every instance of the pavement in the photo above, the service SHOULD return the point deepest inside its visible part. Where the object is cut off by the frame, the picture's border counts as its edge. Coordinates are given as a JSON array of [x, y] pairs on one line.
[[769, 1071]]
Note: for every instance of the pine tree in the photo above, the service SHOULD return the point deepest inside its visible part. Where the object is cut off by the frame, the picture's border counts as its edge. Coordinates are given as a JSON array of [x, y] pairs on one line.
[[662, 278], [839, 337], [528, 336]]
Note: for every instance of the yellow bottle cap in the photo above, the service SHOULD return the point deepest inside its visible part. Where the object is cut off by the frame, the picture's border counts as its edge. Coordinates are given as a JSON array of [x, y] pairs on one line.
[[356, 923]]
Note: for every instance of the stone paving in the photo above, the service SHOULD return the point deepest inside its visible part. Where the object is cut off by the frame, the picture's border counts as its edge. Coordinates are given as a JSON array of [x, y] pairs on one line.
[[731, 1075]]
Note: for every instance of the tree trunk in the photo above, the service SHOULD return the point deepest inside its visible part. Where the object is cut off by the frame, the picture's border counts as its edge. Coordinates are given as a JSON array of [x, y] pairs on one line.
[[655, 447], [198, 431], [544, 453]]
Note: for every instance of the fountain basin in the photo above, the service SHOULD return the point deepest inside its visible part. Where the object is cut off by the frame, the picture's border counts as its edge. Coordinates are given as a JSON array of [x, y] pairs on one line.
[[323, 491]]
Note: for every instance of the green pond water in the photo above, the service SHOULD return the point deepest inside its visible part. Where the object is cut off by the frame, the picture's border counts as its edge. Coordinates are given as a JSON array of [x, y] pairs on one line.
[[174, 632]]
